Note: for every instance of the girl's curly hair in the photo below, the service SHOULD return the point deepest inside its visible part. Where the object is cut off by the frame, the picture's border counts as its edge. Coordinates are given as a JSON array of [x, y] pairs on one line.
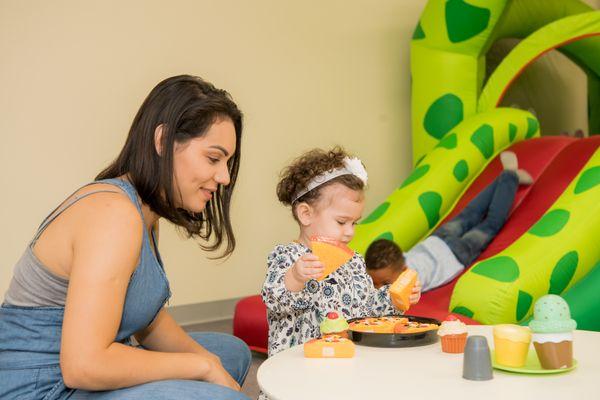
[[305, 168]]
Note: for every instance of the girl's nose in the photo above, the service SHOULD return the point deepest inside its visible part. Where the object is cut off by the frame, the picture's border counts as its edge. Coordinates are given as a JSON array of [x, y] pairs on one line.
[[349, 231]]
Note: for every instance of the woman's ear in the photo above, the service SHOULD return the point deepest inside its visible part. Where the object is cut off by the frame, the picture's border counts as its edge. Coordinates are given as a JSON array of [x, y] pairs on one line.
[[304, 212], [158, 135]]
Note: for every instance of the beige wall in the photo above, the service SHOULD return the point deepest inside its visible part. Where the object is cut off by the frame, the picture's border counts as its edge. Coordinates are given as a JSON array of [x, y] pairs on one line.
[[305, 73]]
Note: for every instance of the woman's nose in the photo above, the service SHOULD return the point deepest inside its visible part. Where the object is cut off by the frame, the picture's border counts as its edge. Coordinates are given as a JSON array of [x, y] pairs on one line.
[[222, 176]]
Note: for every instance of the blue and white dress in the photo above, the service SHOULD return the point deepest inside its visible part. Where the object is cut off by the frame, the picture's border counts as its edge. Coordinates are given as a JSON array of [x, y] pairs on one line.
[[294, 317]]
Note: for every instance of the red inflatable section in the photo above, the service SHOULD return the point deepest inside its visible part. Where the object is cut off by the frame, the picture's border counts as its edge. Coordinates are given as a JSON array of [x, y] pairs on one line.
[[250, 323], [552, 161]]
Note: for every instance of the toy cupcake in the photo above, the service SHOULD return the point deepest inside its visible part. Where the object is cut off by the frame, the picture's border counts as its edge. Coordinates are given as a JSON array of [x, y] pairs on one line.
[[511, 344], [334, 324], [453, 334], [552, 329]]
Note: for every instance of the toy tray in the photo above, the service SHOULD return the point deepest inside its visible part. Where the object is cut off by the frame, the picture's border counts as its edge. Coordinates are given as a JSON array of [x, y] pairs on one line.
[[396, 339]]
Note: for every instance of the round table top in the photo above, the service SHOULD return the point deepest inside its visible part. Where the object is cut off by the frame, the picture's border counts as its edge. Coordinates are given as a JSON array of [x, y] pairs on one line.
[[423, 371]]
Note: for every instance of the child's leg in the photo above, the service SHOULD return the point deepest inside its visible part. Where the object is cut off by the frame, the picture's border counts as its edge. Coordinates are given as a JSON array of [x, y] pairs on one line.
[[466, 235], [470, 216], [477, 239]]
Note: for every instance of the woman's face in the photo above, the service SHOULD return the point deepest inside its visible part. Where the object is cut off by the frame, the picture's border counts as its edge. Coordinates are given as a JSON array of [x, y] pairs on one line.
[[200, 165]]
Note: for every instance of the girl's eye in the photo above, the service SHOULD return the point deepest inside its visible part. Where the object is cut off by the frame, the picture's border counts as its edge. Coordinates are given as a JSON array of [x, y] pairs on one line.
[[213, 160], [341, 222]]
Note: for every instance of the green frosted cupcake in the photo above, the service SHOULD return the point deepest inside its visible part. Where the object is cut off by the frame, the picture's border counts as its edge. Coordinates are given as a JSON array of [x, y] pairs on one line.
[[334, 324], [552, 329]]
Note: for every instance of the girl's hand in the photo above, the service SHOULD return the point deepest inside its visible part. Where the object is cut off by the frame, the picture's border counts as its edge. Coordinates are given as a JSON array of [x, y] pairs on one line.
[[415, 294], [217, 374], [306, 268]]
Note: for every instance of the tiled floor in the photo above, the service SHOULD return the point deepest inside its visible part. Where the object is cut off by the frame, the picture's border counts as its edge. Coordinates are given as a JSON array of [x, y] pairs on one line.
[[250, 387]]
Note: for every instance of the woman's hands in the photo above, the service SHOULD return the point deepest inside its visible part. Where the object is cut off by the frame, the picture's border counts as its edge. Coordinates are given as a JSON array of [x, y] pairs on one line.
[[215, 373], [304, 269]]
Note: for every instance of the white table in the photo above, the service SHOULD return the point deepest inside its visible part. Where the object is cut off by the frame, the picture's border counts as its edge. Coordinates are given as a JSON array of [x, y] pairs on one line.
[[425, 372]]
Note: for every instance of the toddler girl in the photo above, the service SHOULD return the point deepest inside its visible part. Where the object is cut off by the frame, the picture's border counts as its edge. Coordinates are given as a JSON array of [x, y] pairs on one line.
[[325, 193]]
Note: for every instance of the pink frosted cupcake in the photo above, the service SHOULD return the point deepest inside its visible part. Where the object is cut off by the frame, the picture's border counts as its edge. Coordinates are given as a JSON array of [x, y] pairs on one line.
[[453, 335]]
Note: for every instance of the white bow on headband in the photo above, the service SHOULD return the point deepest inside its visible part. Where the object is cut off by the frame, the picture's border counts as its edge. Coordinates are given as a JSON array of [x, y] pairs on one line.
[[352, 166]]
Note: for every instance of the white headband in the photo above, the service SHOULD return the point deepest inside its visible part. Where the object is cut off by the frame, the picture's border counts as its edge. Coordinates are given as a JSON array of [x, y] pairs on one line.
[[352, 166]]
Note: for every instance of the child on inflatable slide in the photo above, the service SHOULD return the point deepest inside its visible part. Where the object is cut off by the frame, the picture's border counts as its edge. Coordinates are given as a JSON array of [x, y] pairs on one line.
[[456, 244]]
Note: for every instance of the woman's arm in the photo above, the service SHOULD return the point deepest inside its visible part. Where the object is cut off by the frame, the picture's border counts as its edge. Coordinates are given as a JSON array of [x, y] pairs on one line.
[[164, 334], [106, 245]]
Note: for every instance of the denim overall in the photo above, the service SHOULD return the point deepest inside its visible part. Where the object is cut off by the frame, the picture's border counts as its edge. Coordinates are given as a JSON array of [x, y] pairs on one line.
[[30, 337]]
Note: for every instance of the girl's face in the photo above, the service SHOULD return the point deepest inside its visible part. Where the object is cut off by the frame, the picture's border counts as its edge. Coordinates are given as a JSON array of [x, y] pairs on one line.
[[334, 214], [200, 165]]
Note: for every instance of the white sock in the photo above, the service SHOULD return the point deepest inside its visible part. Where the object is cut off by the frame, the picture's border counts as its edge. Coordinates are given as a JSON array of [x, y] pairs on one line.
[[509, 161], [524, 177]]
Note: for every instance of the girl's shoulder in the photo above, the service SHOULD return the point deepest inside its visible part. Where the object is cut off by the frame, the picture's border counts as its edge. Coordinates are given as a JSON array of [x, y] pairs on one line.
[[290, 249]]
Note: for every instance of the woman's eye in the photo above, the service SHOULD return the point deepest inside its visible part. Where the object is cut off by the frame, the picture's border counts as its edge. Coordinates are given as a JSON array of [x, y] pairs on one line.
[[213, 160], [341, 222]]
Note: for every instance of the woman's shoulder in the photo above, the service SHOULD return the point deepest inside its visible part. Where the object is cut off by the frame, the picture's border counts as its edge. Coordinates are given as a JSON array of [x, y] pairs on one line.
[[102, 206]]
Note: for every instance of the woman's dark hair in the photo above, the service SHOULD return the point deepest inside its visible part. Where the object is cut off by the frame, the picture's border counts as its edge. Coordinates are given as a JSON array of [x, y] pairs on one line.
[[186, 107], [383, 253], [305, 168]]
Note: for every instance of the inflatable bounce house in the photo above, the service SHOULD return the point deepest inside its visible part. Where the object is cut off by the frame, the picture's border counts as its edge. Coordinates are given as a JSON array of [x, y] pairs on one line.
[[550, 243]]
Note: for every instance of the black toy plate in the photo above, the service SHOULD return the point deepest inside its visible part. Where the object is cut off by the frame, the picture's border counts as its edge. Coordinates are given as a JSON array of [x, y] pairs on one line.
[[396, 339]]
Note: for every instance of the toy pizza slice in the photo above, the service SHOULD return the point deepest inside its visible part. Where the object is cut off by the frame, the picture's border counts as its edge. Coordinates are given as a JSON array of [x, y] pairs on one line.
[[331, 346], [400, 290], [332, 253]]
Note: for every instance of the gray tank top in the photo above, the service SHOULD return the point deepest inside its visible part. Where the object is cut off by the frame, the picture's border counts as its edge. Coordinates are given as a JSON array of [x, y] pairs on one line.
[[33, 284]]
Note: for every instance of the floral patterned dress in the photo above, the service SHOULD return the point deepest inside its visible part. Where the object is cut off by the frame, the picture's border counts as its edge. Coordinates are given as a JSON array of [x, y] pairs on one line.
[[294, 317]]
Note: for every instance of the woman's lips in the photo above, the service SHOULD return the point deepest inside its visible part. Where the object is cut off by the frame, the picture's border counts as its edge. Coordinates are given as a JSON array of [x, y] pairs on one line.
[[207, 194]]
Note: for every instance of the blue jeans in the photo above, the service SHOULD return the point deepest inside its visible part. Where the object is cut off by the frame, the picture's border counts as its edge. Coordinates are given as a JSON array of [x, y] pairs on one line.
[[470, 232], [235, 357]]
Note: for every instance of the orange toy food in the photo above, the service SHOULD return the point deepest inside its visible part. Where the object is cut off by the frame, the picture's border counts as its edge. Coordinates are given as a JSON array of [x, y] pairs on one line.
[[414, 327], [331, 346], [332, 253], [390, 325], [400, 290], [375, 325]]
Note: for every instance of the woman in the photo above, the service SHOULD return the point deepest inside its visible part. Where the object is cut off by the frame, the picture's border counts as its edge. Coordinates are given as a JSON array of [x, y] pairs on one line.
[[92, 276]]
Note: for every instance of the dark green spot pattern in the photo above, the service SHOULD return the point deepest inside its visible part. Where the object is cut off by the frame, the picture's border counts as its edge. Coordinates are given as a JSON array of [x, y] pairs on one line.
[[461, 170], [448, 142], [443, 114], [502, 269], [483, 139], [377, 213], [431, 202], [589, 179], [415, 175], [532, 127], [551, 223], [464, 20], [523, 304], [419, 160], [512, 132], [463, 311], [419, 33], [563, 272], [385, 235]]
